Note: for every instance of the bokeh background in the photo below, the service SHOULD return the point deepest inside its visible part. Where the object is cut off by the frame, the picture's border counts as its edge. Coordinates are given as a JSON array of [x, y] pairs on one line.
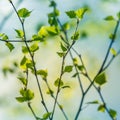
[[92, 47]]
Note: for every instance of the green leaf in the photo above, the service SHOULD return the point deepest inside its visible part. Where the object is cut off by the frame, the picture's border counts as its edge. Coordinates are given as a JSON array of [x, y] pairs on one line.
[[113, 113], [63, 48], [20, 99], [24, 13], [66, 86], [27, 94], [23, 61], [61, 54], [80, 12], [112, 36], [75, 61], [43, 32], [101, 79], [75, 36], [80, 67], [58, 82], [109, 18], [23, 80], [75, 75], [68, 68], [46, 115], [94, 102], [52, 30], [5, 37], [34, 47], [50, 92], [66, 26], [24, 49], [101, 108], [43, 73], [37, 38], [71, 14], [20, 33], [113, 51], [10, 46]]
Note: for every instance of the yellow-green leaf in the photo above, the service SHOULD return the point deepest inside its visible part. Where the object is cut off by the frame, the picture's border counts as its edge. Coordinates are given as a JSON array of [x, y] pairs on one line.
[[101, 79]]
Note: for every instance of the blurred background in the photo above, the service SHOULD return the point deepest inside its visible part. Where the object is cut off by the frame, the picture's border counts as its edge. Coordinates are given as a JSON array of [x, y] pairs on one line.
[[92, 46]]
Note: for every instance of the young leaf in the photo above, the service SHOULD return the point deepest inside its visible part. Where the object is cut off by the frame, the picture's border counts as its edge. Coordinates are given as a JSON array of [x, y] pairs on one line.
[[23, 61], [46, 115], [109, 18], [68, 68], [10, 46], [23, 80], [101, 79], [66, 26], [113, 51], [112, 36], [24, 13], [71, 14], [75, 75], [113, 113], [80, 12], [94, 102], [50, 92], [80, 67], [20, 99], [20, 33], [43, 73], [61, 54], [58, 82], [34, 47], [24, 49], [63, 48], [75, 36], [52, 30], [101, 108]]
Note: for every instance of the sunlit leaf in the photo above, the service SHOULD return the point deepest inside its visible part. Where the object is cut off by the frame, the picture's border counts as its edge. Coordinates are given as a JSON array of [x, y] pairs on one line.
[[43, 73], [113, 51], [80, 12], [101, 79], [20, 33], [66, 26], [10, 46], [50, 92], [24, 13], [34, 47]]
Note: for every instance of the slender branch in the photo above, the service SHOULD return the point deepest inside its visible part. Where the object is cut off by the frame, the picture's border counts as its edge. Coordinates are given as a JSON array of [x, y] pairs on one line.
[[37, 118], [32, 57], [62, 110], [19, 41]]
